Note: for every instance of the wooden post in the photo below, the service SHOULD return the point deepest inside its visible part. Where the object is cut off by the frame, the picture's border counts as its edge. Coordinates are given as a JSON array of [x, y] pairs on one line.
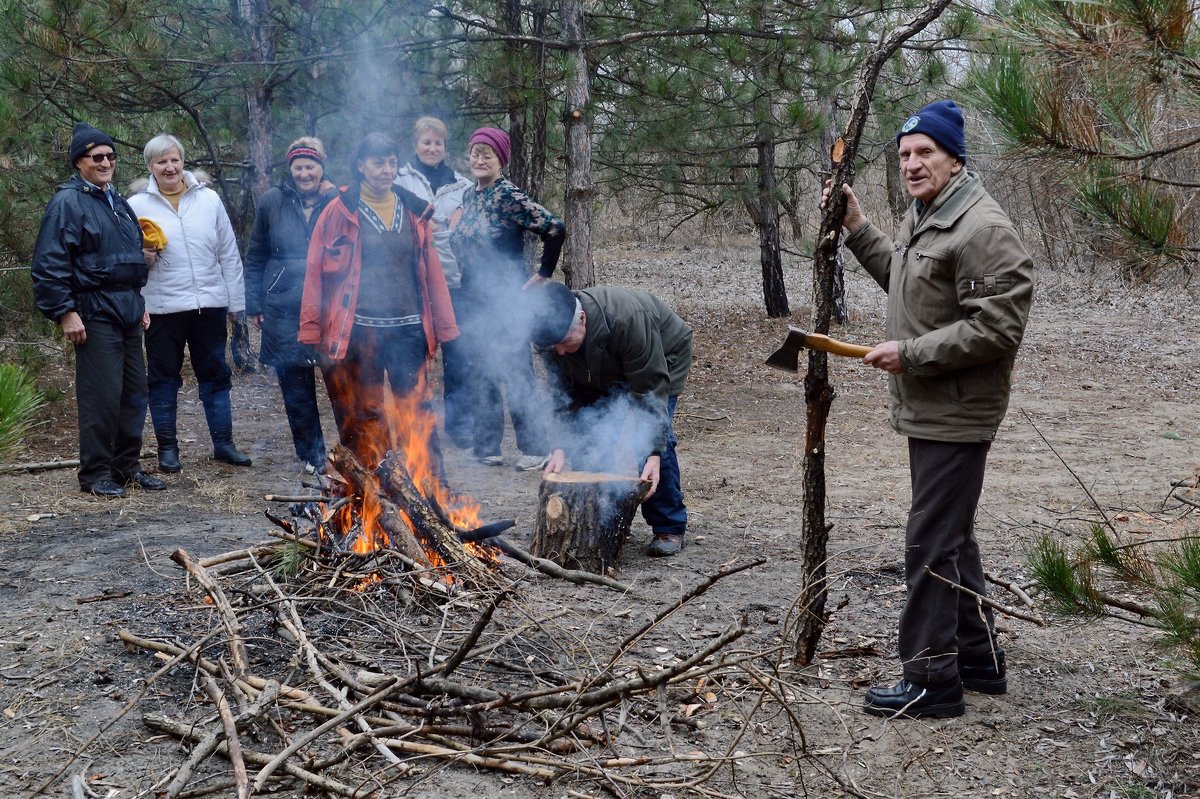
[[584, 518]]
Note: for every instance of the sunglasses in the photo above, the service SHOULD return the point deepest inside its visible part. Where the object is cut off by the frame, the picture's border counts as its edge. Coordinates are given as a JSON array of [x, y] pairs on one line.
[[100, 158]]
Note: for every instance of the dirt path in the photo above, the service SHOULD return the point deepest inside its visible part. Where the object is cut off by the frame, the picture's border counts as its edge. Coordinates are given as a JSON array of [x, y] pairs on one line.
[[1116, 396]]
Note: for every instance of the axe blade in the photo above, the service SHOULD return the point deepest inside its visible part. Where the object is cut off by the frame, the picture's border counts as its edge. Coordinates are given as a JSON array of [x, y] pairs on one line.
[[787, 357]]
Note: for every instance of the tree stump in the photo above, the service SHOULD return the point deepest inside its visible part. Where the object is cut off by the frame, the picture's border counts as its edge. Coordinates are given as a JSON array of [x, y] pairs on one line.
[[584, 518]]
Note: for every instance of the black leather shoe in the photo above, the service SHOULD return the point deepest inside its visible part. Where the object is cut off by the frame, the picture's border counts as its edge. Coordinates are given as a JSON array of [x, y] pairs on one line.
[[228, 453], [168, 460], [105, 488], [910, 700], [984, 675], [147, 481], [665, 545]]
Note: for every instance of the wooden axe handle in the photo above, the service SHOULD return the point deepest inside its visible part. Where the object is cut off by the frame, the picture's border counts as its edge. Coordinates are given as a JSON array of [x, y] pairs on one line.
[[823, 343]]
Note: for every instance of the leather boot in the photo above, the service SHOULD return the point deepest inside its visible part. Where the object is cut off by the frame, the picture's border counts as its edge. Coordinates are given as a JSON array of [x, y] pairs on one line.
[[913, 700], [168, 447], [226, 452], [168, 458], [984, 674], [218, 412]]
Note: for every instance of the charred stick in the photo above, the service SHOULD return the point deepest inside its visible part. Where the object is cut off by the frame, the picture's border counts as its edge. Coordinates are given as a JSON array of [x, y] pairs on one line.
[[186, 732], [486, 532], [982, 600], [224, 609]]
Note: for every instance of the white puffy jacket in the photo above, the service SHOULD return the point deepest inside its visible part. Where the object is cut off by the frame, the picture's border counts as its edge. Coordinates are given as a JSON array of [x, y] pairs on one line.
[[200, 266], [445, 213]]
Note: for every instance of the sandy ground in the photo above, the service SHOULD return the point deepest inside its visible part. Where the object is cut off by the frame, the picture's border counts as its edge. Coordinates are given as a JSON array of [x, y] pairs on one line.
[[1106, 384]]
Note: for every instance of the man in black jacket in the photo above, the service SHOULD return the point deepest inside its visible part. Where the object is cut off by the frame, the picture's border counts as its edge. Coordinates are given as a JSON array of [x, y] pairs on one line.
[[88, 267]]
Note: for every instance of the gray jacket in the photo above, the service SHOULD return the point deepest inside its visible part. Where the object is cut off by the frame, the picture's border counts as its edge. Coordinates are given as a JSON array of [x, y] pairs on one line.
[[959, 284]]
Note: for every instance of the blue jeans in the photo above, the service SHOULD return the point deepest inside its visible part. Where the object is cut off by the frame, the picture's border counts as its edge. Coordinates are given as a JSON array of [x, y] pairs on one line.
[[298, 385], [665, 511]]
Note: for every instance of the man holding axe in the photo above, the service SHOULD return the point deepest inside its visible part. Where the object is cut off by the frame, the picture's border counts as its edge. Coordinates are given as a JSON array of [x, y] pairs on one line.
[[959, 284]]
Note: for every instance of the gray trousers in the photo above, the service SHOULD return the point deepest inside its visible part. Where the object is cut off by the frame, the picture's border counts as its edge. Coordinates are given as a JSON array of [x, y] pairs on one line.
[[938, 623]]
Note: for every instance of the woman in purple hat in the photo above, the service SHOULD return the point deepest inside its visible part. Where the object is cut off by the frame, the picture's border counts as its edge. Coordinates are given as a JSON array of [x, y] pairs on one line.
[[489, 242]]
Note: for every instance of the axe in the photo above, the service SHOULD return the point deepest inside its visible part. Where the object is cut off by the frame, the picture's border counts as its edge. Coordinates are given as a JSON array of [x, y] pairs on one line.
[[787, 357]]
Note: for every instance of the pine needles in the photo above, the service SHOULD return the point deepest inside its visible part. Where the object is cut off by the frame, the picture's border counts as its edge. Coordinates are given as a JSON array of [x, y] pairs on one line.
[[19, 403]]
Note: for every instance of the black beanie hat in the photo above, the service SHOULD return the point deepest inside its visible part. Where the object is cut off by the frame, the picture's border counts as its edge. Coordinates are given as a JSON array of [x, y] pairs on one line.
[[554, 313], [941, 121], [84, 137]]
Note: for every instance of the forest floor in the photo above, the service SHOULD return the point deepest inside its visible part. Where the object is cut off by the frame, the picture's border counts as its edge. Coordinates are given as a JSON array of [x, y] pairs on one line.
[[1107, 384]]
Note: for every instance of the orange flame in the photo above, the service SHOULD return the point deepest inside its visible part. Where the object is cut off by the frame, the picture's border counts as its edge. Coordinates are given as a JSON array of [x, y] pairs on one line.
[[408, 426]]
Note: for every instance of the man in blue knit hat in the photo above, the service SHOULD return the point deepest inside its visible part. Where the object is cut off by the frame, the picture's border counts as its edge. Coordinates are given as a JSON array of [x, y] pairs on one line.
[[959, 284]]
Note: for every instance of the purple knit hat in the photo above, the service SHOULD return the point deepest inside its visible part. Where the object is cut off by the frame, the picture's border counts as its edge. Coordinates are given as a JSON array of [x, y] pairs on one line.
[[494, 138]]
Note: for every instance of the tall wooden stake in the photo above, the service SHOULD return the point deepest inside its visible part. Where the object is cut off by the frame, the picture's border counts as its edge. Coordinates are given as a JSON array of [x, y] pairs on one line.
[[818, 393]]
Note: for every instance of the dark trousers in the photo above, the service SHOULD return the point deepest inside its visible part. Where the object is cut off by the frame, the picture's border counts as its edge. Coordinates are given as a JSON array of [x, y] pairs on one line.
[[938, 623], [456, 393], [110, 390], [665, 511], [361, 406], [500, 363], [203, 333], [298, 385]]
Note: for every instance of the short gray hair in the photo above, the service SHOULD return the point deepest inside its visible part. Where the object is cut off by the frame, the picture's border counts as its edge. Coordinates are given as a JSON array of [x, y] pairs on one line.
[[160, 145]]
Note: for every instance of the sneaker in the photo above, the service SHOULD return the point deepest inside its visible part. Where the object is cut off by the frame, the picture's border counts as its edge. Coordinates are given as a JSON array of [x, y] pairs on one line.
[[665, 545], [492, 460], [912, 700], [530, 463]]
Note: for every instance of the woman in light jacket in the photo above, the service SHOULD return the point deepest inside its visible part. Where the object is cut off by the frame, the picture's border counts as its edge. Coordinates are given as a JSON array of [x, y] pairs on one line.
[[275, 268], [428, 176], [194, 286]]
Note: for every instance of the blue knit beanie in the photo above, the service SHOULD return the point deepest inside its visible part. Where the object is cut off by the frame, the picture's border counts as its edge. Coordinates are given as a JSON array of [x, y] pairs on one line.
[[941, 121]]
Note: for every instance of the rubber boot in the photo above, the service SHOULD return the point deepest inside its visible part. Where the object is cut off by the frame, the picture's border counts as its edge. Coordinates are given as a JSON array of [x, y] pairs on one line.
[[162, 415], [218, 412]]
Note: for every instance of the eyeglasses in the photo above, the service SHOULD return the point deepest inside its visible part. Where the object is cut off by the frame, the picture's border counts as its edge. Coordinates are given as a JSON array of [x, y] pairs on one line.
[[100, 158]]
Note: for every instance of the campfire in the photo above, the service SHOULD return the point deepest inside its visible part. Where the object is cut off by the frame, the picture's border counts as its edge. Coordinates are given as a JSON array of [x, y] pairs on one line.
[[385, 634]]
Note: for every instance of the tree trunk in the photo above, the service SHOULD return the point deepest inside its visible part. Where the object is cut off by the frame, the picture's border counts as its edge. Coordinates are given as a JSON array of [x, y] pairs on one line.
[[579, 269], [584, 518], [818, 393], [828, 140], [774, 290], [898, 197], [516, 170], [255, 16]]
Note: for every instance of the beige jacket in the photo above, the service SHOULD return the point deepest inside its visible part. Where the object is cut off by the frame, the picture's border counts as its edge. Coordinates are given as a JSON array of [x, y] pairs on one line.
[[959, 285]]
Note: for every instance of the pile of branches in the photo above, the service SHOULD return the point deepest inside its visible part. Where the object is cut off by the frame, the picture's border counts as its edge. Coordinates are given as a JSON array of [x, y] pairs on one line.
[[351, 673]]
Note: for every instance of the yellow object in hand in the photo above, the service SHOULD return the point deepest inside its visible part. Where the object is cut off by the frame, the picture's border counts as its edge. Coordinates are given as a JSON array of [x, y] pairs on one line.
[[152, 235]]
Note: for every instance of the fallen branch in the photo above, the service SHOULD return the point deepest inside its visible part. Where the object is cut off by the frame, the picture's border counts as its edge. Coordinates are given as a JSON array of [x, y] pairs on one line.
[[1013, 588], [46, 466], [981, 599], [187, 732], [552, 569]]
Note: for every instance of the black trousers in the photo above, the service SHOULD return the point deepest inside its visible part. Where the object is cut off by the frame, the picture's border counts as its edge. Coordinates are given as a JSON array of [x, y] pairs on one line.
[[203, 333], [939, 624], [298, 385], [110, 390], [369, 421]]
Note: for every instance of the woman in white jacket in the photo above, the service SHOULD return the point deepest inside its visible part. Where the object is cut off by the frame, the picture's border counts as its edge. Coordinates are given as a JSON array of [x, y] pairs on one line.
[[194, 286], [429, 177]]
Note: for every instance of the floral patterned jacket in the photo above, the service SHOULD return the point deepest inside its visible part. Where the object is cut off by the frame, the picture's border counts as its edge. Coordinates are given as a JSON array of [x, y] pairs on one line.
[[489, 239]]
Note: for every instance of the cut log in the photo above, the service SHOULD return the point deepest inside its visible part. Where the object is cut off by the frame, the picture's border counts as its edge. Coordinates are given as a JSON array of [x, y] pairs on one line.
[[584, 517], [366, 485]]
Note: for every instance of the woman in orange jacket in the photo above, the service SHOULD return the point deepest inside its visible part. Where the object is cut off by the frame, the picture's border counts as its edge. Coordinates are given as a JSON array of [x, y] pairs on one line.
[[375, 299]]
